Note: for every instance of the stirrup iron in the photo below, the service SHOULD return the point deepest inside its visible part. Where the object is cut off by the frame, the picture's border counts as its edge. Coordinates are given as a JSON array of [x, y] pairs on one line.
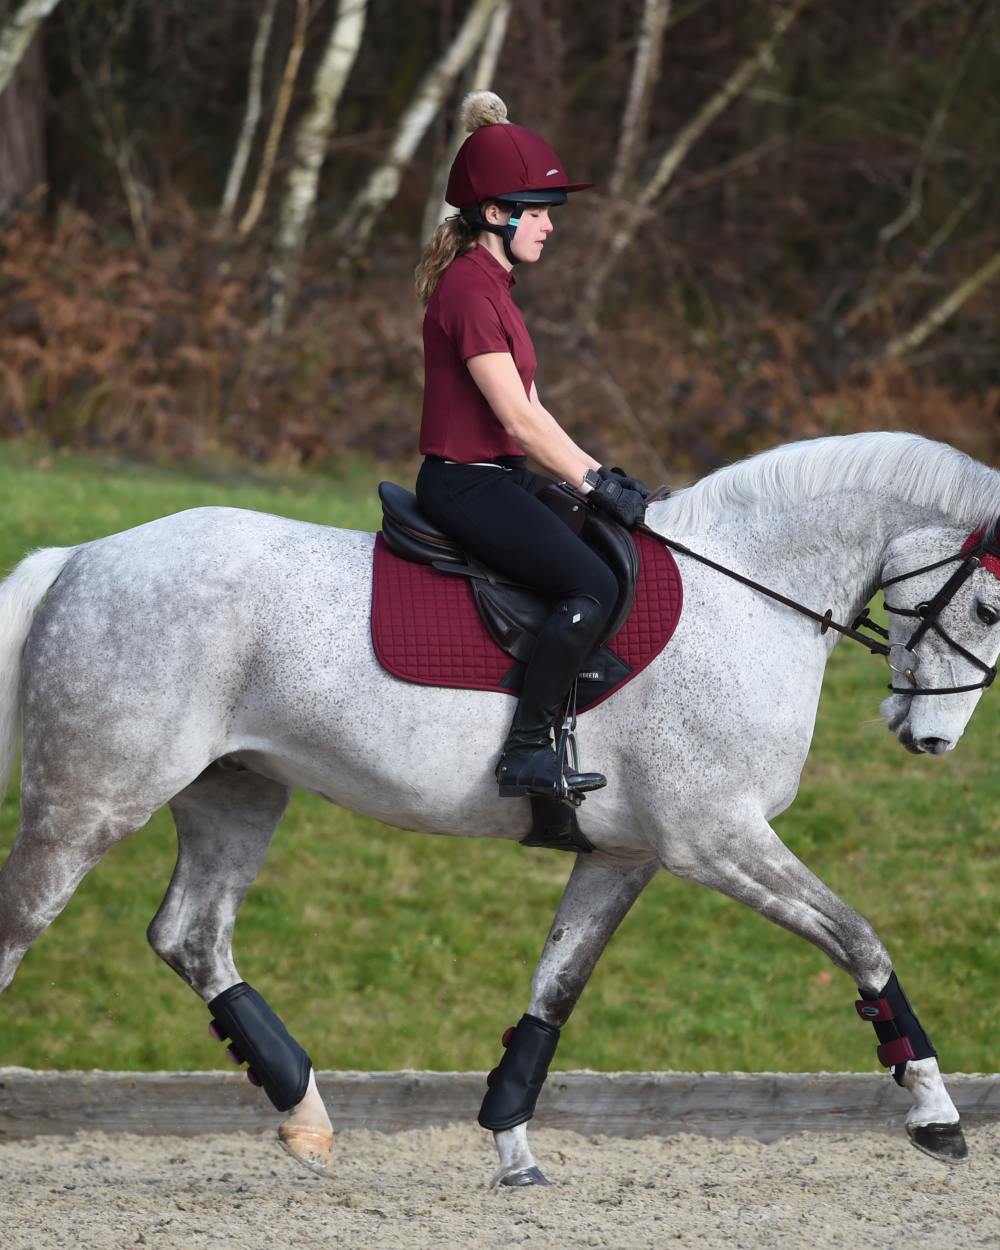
[[567, 755]]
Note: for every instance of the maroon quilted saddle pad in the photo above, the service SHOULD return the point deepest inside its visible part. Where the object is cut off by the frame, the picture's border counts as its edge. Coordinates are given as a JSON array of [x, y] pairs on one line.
[[426, 629]]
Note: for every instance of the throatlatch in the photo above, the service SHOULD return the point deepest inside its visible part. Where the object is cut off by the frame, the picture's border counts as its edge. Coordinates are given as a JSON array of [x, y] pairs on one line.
[[259, 1039], [516, 1082], [900, 1033]]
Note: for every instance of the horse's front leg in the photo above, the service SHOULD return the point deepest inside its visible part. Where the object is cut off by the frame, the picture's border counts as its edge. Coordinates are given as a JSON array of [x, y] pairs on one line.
[[751, 864], [598, 894]]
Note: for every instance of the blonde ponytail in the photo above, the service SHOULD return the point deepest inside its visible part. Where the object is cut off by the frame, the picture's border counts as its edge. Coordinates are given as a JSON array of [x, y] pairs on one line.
[[451, 239]]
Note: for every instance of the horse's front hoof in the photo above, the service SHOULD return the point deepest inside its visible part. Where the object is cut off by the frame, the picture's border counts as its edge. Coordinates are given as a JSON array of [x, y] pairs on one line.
[[312, 1147], [941, 1141], [521, 1177]]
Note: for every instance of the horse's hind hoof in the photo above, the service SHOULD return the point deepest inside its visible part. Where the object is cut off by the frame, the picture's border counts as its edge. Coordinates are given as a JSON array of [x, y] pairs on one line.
[[312, 1147], [525, 1176], [941, 1141]]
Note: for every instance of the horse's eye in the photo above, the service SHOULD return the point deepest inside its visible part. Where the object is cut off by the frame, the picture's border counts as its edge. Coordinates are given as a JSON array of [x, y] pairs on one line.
[[988, 615]]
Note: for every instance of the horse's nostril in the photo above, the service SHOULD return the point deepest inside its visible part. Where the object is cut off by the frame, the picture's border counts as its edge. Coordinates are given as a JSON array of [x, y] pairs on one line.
[[933, 746]]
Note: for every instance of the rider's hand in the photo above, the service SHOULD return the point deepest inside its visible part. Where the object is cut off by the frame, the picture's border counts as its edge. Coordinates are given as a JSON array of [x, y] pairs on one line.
[[623, 479], [620, 502]]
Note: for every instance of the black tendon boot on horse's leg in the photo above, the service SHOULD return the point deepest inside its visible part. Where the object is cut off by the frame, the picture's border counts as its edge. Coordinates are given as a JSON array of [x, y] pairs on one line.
[[529, 765], [599, 893], [902, 1041]]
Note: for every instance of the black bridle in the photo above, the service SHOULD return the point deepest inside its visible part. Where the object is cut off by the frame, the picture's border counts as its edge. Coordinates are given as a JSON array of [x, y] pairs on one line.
[[928, 614]]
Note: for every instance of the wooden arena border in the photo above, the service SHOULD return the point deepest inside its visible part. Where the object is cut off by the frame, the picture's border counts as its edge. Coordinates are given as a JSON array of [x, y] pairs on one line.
[[764, 1105]]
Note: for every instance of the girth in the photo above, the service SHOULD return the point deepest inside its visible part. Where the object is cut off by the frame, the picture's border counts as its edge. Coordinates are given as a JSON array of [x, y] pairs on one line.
[[512, 613]]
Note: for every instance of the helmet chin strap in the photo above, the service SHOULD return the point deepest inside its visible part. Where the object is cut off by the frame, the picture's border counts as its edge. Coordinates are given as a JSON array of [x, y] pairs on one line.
[[505, 232]]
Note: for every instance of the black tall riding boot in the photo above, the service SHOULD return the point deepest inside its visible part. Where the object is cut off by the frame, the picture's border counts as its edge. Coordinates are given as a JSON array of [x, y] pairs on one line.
[[529, 765]]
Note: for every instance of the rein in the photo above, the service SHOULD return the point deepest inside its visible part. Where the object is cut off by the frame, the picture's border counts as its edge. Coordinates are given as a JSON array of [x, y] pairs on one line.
[[971, 557], [825, 619]]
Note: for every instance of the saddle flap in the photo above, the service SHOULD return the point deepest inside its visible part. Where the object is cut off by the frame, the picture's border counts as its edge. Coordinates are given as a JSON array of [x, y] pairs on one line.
[[512, 615]]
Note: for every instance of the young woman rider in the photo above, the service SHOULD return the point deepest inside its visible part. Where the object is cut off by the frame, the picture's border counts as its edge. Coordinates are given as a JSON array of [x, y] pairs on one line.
[[482, 415]]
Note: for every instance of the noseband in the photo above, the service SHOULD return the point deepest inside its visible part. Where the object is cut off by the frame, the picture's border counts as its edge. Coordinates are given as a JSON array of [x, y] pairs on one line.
[[903, 659], [976, 551]]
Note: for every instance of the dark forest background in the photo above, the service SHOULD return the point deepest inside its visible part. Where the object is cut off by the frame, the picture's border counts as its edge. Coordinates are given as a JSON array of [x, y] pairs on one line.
[[822, 255]]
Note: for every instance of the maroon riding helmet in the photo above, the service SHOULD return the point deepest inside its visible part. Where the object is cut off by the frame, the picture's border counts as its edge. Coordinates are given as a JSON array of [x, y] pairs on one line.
[[511, 164]]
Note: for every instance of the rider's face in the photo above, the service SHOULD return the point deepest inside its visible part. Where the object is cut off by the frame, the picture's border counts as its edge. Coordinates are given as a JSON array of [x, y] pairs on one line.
[[535, 227]]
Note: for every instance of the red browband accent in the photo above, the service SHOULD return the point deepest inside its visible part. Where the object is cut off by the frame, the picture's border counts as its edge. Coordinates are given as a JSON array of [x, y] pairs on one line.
[[989, 561]]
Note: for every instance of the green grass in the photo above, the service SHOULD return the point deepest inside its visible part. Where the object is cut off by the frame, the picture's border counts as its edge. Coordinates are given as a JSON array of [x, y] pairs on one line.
[[385, 949]]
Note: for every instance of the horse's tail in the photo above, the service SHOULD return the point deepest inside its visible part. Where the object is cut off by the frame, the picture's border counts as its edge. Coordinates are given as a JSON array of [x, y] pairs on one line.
[[20, 595]]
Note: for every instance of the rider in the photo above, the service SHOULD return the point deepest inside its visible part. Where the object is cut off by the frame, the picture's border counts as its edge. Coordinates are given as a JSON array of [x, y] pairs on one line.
[[482, 414]]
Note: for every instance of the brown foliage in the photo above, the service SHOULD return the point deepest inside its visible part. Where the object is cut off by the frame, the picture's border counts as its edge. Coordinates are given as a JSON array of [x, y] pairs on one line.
[[703, 402], [164, 354]]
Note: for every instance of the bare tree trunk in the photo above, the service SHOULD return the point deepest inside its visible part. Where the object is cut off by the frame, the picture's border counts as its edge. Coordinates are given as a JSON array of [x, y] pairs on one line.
[[251, 117], [645, 74], [480, 80], [22, 126], [310, 150], [17, 33], [908, 342], [671, 160], [281, 106], [383, 183]]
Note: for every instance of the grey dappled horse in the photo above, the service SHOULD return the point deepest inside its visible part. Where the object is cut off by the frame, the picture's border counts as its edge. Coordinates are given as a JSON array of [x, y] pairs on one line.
[[215, 659]]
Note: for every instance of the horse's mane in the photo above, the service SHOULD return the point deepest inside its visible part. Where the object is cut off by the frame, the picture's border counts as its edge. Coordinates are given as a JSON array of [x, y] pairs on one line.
[[899, 466]]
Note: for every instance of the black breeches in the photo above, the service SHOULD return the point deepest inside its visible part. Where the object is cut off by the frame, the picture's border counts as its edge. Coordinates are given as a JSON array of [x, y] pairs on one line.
[[493, 513]]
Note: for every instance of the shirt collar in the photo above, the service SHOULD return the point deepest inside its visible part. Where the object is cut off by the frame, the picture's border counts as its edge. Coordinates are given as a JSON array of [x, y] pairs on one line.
[[488, 263]]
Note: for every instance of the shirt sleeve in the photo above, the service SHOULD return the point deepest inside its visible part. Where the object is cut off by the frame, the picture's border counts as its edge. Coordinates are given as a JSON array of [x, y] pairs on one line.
[[473, 324]]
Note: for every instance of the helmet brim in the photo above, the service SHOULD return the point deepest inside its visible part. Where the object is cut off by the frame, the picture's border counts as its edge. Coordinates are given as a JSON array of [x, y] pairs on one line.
[[544, 195]]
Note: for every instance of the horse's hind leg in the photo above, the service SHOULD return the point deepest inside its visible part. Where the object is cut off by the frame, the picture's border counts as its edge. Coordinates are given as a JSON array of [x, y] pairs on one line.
[[56, 846], [598, 894], [750, 863], [225, 822]]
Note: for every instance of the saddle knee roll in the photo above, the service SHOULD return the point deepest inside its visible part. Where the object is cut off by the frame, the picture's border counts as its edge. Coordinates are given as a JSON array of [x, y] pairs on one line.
[[264, 1043], [514, 1085]]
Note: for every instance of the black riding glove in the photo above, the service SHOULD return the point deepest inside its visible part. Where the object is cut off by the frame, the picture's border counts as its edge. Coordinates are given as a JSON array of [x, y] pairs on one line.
[[623, 479], [621, 503]]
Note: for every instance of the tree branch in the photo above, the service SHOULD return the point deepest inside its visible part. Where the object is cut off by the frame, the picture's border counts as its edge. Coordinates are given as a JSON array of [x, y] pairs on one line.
[[671, 160], [481, 80], [383, 183], [906, 343], [645, 72], [281, 106], [17, 34], [912, 208], [913, 271]]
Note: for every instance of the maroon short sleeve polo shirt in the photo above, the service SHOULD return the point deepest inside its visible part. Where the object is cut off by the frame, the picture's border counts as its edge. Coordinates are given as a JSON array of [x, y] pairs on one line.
[[471, 312]]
